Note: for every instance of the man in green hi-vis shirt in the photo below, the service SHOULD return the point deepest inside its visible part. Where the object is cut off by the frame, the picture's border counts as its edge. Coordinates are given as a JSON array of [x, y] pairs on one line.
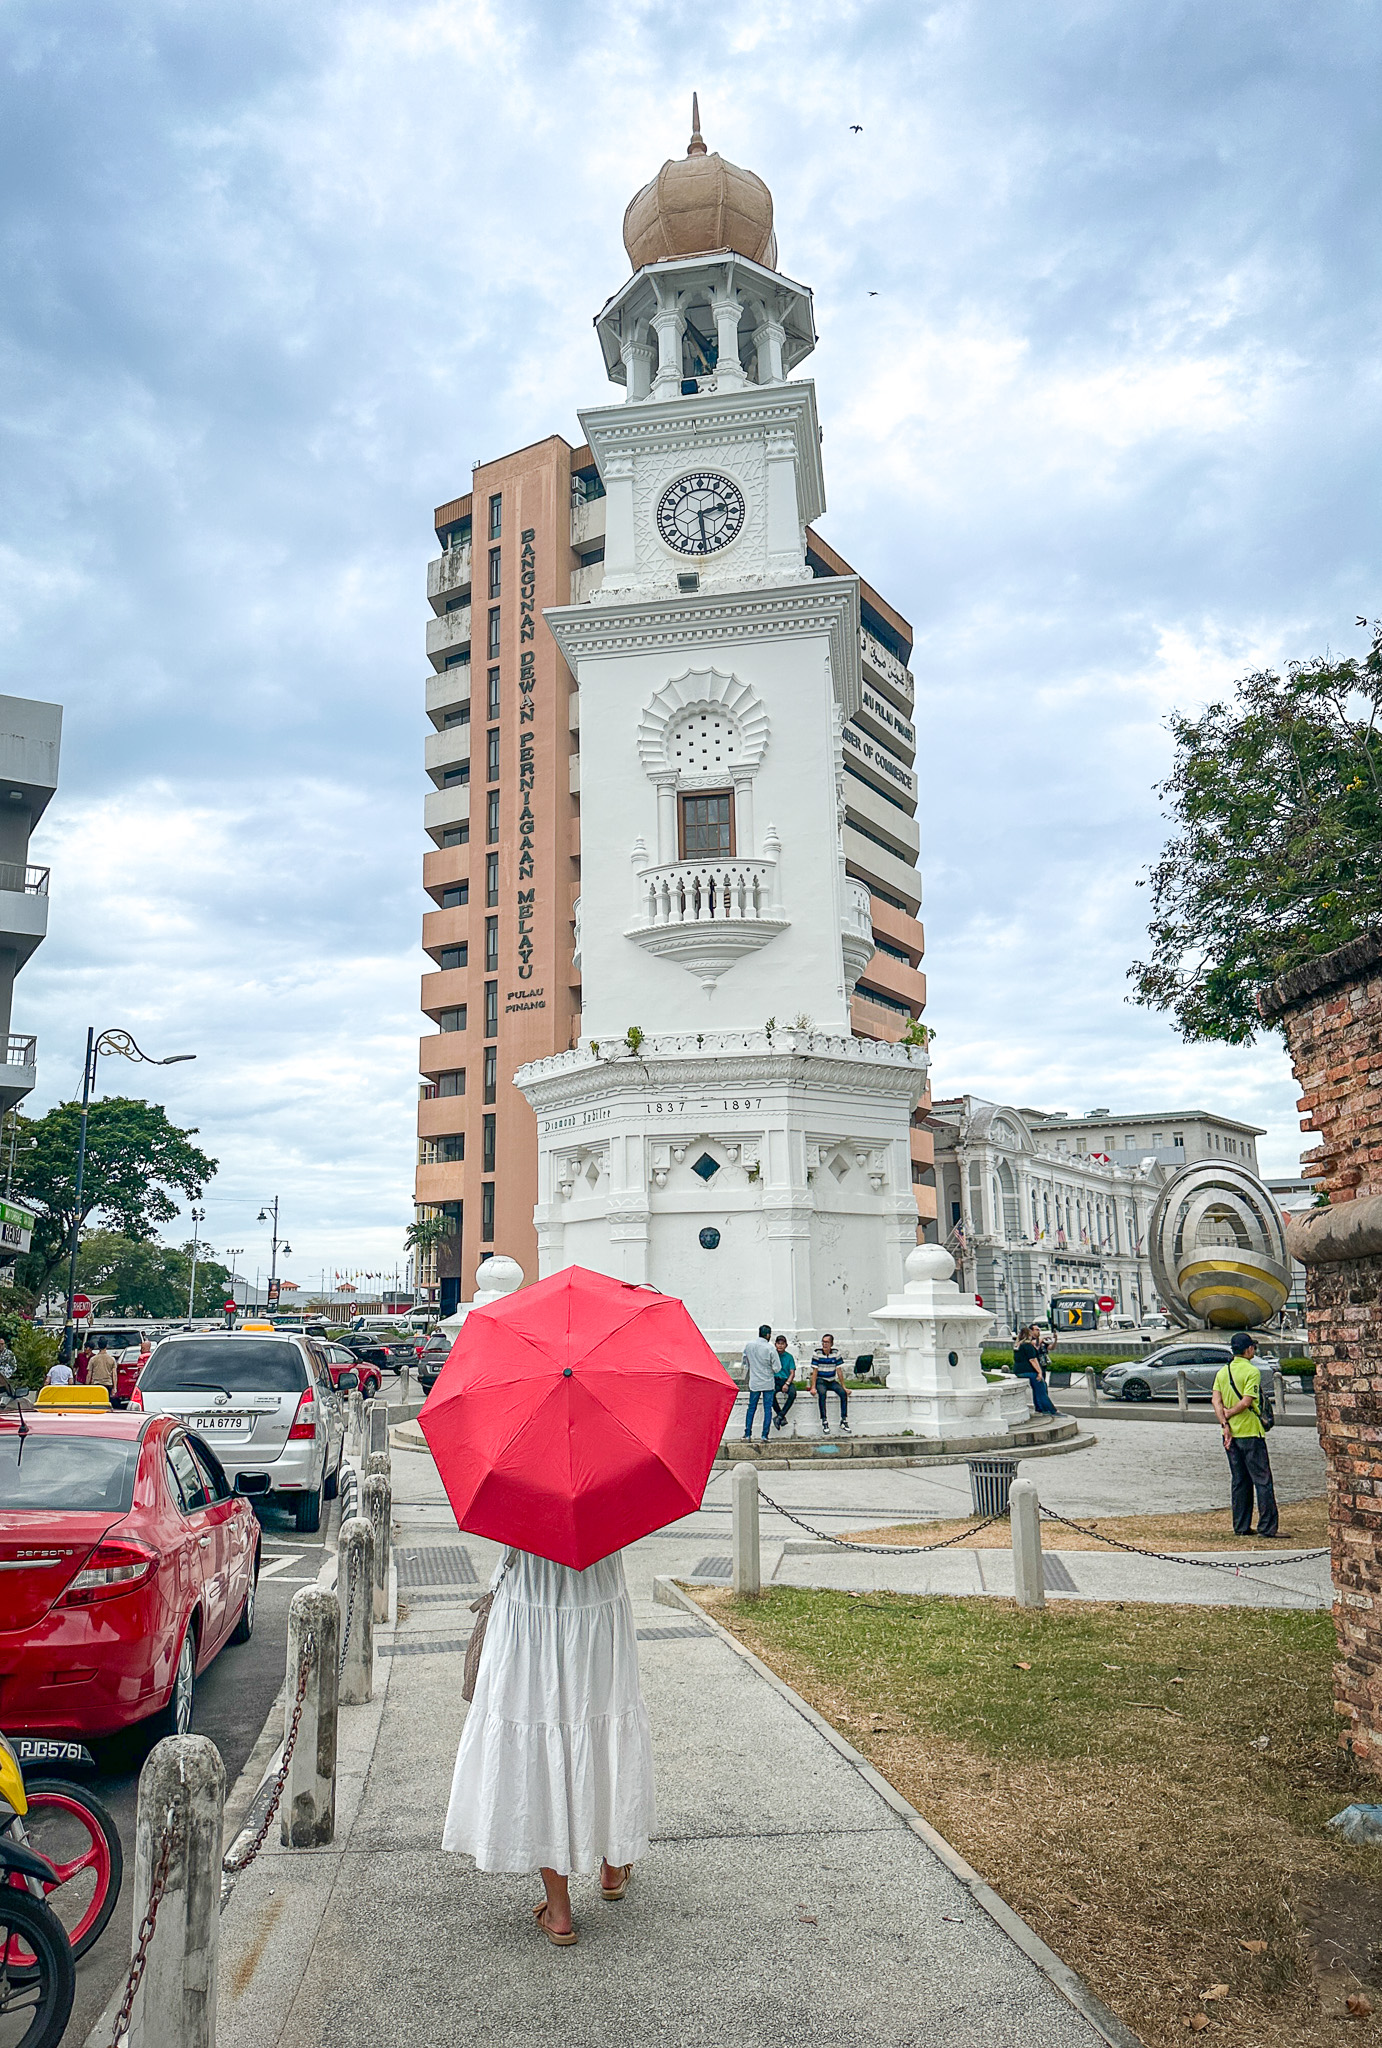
[[1238, 1405]]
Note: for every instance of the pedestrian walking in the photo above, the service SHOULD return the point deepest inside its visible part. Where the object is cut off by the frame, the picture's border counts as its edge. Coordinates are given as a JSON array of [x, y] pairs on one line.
[[82, 1361], [828, 1377], [760, 1361], [1238, 1405], [59, 1375], [784, 1382], [555, 1767], [1029, 1365], [101, 1370]]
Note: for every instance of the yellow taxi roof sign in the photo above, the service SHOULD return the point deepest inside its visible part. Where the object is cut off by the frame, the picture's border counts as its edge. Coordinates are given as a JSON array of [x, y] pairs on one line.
[[73, 1397]]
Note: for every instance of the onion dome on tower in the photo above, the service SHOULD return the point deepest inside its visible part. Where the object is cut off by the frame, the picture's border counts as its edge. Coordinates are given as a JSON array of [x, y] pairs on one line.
[[699, 203]]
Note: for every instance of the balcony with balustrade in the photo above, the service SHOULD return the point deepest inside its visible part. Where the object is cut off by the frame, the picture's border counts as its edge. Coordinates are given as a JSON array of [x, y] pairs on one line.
[[20, 1071], [23, 908], [707, 914]]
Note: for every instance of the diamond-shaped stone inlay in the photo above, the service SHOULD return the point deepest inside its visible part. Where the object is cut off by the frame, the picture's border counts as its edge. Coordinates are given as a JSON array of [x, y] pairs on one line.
[[706, 1167]]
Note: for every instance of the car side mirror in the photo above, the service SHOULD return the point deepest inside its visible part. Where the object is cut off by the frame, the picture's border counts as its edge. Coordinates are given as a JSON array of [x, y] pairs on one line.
[[348, 1382], [251, 1482]]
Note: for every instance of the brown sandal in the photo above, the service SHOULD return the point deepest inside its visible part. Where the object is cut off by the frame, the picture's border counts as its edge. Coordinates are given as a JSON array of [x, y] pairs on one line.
[[617, 1891], [557, 1940]]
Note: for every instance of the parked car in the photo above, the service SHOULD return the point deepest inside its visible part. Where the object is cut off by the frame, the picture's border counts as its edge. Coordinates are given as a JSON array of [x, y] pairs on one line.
[[433, 1357], [388, 1352], [128, 1561], [266, 1401], [1153, 1377], [339, 1360]]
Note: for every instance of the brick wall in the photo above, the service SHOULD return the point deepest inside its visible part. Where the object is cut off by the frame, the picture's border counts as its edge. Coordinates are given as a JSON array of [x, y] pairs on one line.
[[1331, 1013]]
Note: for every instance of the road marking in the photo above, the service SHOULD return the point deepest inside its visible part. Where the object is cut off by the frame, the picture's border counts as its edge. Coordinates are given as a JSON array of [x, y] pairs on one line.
[[280, 1564]]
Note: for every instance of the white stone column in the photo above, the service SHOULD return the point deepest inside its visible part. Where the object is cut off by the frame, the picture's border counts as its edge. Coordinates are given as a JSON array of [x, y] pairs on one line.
[[620, 553], [669, 326], [784, 517], [666, 784], [768, 340], [742, 779], [637, 353], [728, 310]]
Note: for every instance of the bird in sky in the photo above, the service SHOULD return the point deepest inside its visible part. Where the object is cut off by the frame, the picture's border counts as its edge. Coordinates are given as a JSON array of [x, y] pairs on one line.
[[856, 127], [873, 295]]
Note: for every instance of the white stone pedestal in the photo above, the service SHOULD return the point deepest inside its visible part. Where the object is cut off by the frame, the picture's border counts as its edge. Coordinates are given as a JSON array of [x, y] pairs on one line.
[[935, 1377], [500, 1275]]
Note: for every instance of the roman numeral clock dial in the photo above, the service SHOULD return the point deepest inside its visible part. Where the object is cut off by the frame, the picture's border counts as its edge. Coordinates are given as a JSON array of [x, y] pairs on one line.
[[701, 513]]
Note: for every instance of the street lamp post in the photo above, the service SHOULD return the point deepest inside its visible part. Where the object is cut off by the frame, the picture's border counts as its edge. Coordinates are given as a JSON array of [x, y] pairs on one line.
[[107, 1042], [198, 1218], [269, 1214], [233, 1252]]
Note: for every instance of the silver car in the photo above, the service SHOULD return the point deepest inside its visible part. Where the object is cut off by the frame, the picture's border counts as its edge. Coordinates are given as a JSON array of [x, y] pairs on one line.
[[1154, 1377], [266, 1405]]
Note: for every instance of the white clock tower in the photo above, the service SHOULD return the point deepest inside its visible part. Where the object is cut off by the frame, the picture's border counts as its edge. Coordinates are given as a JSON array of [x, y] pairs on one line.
[[719, 1132]]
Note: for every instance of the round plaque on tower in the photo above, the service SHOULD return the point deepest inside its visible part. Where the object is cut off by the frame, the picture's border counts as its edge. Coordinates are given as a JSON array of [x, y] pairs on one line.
[[710, 1238]]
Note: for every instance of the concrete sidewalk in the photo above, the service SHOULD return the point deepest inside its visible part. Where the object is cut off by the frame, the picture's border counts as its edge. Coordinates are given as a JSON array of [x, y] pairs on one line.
[[787, 1899]]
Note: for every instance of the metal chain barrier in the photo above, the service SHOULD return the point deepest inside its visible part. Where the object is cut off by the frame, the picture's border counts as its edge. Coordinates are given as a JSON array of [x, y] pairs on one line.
[[345, 1632], [880, 1549], [146, 1933], [233, 1869], [1210, 1564]]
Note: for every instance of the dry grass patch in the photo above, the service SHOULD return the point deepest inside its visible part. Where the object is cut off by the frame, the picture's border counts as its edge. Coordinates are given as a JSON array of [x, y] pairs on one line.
[[1304, 1526], [1146, 1785]]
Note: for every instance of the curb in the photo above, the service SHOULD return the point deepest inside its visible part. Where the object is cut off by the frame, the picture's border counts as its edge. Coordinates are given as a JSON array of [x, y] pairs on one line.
[[1072, 1988], [820, 1463]]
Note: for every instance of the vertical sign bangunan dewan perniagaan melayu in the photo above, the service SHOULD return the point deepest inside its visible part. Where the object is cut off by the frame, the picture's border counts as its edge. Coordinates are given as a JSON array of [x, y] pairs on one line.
[[526, 997]]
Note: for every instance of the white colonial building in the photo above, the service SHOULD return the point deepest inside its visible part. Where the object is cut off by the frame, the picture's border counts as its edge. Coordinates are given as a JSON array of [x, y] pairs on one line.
[[719, 1131]]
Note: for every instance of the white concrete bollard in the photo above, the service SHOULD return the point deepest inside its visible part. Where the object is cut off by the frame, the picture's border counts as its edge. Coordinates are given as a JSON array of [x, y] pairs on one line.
[[355, 1596], [746, 1576], [377, 1425], [1024, 1512], [308, 1813], [380, 1462], [1183, 1396], [182, 1788], [1091, 1380], [376, 1500], [355, 1420]]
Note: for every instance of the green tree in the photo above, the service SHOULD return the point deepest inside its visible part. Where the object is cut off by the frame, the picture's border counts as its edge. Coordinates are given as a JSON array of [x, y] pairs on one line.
[[135, 1159], [140, 1276], [429, 1233], [34, 1349], [1276, 798]]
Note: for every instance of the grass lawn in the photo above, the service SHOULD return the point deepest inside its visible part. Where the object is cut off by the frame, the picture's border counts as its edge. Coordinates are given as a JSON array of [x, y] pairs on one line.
[[1304, 1526], [1147, 1786]]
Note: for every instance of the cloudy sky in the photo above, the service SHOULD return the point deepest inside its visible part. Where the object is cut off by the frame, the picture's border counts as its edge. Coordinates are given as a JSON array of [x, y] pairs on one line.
[[274, 275]]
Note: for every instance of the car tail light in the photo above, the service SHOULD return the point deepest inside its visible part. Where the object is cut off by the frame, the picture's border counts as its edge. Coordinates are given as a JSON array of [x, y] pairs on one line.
[[136, 1398], [111, 1568], [305, 1421]]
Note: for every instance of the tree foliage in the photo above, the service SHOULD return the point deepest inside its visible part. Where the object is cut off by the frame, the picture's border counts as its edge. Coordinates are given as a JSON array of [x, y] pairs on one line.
[[1277, 854], [34, 1349], [135, 1160], [146, 1278]]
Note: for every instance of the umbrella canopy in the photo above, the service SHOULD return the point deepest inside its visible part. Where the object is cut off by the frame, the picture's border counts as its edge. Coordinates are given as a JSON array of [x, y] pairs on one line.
[[575, 1417]]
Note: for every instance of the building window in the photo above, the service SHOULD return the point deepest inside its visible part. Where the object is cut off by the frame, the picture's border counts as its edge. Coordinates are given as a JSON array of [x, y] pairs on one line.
[[457, 535], [453, 899], [491, 1083], [452, 1148], [491, 945], [458, 604], [487, 1212], [494, 572], [1178, 1140], [492, 755], [456, 777], [456, 835], [491, 1009], [493, 633], [1158, 1140], [460, 716], [461, 660], [454, 956], [496, 515], [492, 684], [707, 826], [492, 819], [491, 881], [452, 1020], [590, 556], [452, 1083], [487, 1144]]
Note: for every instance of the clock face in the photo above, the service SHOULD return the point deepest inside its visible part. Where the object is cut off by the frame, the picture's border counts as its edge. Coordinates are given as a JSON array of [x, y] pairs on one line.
[[701, 513]]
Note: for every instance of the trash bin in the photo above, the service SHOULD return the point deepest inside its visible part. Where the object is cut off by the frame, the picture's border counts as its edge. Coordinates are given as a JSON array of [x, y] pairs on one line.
[[989, 1482]]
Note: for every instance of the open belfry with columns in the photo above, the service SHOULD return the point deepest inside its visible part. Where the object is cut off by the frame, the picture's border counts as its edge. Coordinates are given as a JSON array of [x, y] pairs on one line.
[[674, 921]]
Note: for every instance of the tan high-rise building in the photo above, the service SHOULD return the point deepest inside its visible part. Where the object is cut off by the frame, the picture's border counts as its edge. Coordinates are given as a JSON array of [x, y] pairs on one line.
[[503, 815]]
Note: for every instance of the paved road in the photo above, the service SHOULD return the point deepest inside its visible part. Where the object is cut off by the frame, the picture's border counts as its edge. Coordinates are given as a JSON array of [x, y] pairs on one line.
[[232, 1701]]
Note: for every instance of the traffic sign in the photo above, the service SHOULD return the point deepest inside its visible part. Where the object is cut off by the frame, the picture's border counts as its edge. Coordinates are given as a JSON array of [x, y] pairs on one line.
[[1107, 1303], [81, 1306], [229, 1307]]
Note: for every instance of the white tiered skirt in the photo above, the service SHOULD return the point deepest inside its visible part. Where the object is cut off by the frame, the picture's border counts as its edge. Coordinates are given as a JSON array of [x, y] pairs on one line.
[[555, 1766]]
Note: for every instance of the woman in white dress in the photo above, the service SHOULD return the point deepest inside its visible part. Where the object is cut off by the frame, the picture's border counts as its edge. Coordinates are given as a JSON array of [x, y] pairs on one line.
[[555, 1769]]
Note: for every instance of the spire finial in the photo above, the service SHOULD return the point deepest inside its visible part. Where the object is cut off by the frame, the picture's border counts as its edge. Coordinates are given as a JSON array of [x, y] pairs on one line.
[[696, 146]]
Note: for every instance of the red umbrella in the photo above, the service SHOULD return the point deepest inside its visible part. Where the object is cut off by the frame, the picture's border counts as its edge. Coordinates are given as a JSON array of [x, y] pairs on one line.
[[576, 1416]]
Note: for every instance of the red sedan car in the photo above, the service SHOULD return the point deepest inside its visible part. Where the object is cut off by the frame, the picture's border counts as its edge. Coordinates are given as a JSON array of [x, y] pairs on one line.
[[126, 1563]]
